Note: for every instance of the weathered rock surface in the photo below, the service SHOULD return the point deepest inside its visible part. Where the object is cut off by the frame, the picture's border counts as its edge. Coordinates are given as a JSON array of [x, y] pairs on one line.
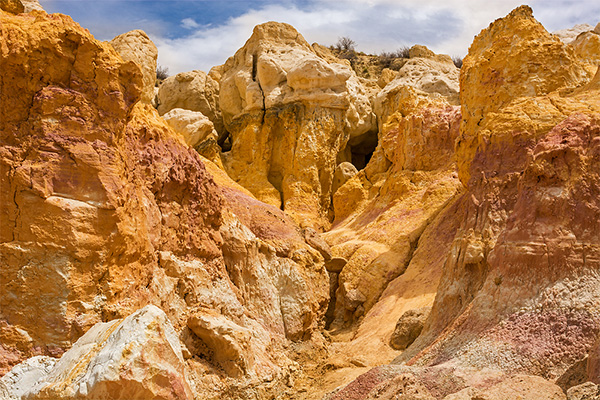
[[381, 212], [519, 40], [533, 163], [105, 210], [409, 327], [587, 48], [31, 5], [197, 131], [569, 34], [585, 391], [136, 46], [12, 6], [24, 376], [525, 230], [192, 125], [194, 91], [447, 383], [425, 71], [138, 357], [291, 115]]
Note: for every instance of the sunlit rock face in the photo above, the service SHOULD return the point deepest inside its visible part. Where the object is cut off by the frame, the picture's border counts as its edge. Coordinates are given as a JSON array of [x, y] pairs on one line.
[[292, 116], [523, 266], [136, 46], [193, 91], [138, 357], [105, 209]]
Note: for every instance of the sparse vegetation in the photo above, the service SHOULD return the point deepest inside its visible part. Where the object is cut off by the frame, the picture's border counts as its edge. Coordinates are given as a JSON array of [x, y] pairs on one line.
[[162, 73], [386, 59], [345, 44], [458, 61]]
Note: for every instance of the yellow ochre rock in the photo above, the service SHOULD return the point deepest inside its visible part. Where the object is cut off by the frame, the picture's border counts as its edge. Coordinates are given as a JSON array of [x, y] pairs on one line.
[[291, 115], [136, 46]]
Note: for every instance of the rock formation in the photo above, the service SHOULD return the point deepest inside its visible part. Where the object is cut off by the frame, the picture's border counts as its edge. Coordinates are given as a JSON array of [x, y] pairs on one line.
[[194, 91], [197, 131], [570, 34], [291, 116], [136, 46], [528, 158], [138, 357], [105, 210], [184, 256]]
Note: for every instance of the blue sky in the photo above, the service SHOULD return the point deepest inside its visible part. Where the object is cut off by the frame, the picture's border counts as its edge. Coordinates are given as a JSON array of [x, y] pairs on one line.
[[198, 34]]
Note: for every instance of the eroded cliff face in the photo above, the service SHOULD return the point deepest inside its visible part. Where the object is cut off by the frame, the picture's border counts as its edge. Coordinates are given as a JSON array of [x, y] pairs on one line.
[[153, 273], [518, 292], [291, 115], [531, 225], [105, 209]]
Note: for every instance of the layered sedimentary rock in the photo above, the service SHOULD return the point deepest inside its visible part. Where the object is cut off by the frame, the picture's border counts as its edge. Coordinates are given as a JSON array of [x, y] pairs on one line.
[[105, 210], [531, 226], [136, 46], [291, 115], [194, 91]]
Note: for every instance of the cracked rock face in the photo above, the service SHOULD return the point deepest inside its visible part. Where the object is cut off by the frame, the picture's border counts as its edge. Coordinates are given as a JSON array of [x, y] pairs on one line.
[[290, 114], [105, 209]]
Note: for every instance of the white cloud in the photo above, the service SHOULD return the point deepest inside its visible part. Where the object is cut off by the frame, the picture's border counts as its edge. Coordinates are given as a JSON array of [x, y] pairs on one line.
[[447, 26], [189, 23]]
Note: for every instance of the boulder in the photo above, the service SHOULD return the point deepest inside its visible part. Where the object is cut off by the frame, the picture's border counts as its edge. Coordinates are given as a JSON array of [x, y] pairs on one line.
[[290, 114], [137, 357], [342, 174], [193, 126], [409, 327], [136, 46], [31, 5], [194, 91]]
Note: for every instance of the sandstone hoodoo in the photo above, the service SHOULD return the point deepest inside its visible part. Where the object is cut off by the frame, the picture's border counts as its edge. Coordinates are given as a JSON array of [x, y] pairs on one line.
[[291, 116], [281, 228]]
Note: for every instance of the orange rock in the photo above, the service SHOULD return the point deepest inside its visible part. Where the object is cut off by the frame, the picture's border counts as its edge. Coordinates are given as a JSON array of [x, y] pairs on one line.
[[105, 210], [529, 228]]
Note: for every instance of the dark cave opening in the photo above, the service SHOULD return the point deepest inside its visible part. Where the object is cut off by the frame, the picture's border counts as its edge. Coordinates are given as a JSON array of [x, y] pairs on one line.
[[362, 148]]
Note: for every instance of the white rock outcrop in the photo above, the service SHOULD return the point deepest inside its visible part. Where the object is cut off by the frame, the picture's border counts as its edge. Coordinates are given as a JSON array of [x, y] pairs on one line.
[[137, 357]]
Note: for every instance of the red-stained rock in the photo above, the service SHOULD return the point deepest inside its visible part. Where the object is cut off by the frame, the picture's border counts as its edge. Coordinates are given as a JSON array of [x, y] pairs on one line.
[[105, 210], [520, 289]]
